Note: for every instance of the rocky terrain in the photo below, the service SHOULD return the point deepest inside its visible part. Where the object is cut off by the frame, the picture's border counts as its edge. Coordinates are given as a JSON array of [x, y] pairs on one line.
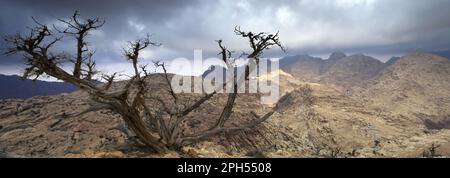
[[415, 86], [351, 70], [339, 70], [34, 128], [400, 110], [303, 67]]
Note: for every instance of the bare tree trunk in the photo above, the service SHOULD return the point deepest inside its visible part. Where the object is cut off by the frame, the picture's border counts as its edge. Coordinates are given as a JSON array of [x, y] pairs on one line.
[[137, 125], [142, 133], [136, 72], [79, 59]]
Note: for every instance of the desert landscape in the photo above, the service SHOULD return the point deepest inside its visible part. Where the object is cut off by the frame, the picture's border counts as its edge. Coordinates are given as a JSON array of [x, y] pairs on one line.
[[354, 79], [400, 110]]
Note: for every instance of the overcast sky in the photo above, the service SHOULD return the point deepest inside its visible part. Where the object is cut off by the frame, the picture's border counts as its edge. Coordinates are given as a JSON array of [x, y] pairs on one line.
[[381, 28]]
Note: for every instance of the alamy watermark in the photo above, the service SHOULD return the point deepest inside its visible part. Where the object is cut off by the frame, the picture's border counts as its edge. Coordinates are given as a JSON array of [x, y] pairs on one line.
[[263, 77]]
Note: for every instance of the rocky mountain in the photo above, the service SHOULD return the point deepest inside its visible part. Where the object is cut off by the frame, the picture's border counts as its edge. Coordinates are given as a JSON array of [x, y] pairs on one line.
[[339, 70], [350, 71], [13, 87], [307, 68], [392, 60], [317, 121], [303, 67], [33, 128], [396, 111], [336, 56], [444, 53], [332, 59], [326, 121], [416, 85], [287, 61]]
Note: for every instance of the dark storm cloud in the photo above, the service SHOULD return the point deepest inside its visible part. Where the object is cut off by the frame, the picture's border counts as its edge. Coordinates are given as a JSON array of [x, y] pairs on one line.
[[383, 27], [124, 19]]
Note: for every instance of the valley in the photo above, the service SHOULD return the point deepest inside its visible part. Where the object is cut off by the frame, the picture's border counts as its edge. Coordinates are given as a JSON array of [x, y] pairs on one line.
[[346, 106]]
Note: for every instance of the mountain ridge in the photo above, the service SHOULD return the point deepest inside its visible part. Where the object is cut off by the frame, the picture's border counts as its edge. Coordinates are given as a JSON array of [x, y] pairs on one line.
[[14, 87], [417, 84]]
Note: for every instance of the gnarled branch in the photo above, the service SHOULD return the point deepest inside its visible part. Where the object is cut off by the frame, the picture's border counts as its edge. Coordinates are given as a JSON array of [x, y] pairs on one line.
[[80, 29]]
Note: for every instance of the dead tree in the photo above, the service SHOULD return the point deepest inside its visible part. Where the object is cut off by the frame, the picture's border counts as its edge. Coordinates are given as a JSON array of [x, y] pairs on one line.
[[130, 100], [259, 42], [79, 29], [133, 49], [90, 69], [432, 151]]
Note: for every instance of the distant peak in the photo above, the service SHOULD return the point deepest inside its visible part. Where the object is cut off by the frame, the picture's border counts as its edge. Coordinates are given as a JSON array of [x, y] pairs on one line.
[[337, 55], [301, 56], [392, 60], [423, 56]]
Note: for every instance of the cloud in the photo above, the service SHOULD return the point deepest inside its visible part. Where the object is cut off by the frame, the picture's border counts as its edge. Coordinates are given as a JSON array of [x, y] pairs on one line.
[[139, 27], [306, 26]]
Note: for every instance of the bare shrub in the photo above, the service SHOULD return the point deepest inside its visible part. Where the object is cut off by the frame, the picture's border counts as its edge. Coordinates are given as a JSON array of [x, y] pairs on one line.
[[431, 152]]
